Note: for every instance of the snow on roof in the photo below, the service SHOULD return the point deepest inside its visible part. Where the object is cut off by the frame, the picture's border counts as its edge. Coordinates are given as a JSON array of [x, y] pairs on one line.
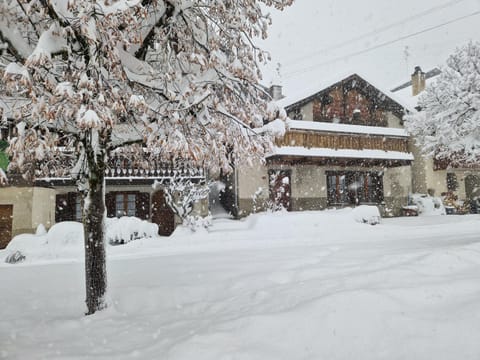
[[341, 153], [406, 95], [292, 98], [345, 128]]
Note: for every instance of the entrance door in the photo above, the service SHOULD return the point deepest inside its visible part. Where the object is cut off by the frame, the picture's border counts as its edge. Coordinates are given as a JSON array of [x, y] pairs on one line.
[[6, 212], [472, 191], [472, 186], [162, 214], [280, 188]]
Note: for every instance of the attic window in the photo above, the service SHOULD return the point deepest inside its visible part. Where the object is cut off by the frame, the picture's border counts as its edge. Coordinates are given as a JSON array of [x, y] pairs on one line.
[[297, 114], [357, 116]]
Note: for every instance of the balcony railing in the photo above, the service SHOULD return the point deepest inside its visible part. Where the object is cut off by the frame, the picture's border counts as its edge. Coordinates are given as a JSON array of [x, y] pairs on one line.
[[311, 139]]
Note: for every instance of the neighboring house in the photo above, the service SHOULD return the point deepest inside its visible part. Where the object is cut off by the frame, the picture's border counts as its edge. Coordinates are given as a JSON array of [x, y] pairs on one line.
[[345, 146], [431, 175], [129, 192]]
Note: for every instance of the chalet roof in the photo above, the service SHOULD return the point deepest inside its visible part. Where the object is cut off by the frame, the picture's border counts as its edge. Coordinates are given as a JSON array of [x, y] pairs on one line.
[[385, 97]]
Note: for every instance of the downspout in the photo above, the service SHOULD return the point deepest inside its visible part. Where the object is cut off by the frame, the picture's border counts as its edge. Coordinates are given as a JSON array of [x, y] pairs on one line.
[[236, 194]]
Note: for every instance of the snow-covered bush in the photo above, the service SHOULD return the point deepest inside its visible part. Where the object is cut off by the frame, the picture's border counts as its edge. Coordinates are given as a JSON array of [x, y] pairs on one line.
[[65, 239], [428, 205], [127, 228], [198, 222], [367, 214], [15, 257]]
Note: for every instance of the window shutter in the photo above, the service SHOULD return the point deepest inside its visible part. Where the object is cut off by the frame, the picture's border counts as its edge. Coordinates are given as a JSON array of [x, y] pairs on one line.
[[110, 204], [142, 205], [72, 197]]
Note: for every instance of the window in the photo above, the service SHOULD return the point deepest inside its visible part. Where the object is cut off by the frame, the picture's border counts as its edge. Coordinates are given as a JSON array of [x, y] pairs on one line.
[[452, 183], [352, 187], [125, 204], [129, 203], [68, 207]]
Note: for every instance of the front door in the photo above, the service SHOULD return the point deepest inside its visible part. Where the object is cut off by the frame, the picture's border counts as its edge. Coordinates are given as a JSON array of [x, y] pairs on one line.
[[6, 212], [472, 190], [162, 214], [472, 187]]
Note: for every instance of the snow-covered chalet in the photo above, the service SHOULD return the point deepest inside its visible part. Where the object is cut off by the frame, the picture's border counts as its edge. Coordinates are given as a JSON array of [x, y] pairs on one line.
[[345, 146]]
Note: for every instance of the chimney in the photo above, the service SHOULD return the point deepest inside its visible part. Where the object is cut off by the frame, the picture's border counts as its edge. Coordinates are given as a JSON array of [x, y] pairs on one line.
[[418, 81], [276, 92]]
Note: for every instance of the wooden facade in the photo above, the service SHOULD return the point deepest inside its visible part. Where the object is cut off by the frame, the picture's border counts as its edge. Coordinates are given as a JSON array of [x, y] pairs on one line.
[[349, 101], [315, 139]]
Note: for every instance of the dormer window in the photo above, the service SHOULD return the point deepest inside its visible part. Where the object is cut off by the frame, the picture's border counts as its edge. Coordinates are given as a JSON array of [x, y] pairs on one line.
[[357, 116]]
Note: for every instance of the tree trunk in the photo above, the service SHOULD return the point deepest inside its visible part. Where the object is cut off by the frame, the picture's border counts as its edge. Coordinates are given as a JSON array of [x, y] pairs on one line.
[[94, 232]]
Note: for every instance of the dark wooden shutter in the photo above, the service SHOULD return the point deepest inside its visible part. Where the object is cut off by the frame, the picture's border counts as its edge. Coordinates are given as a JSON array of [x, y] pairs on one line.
[[72, 199], [110, 204], [142, 205], [162, 214], [6, 216]]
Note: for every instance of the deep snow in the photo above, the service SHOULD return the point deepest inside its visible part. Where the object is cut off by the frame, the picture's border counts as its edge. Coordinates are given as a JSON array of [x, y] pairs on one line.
[[311, 285]]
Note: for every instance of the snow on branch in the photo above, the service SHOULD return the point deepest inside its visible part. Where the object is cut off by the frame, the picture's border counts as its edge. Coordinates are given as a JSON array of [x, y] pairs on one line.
[[447, 127], [177, 78]]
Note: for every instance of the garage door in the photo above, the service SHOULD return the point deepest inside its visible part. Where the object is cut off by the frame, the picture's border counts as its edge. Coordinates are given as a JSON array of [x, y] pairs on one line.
[[6, 212]]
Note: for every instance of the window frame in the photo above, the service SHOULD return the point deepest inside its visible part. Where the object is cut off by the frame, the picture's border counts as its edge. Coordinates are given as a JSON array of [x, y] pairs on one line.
[[354, 187]]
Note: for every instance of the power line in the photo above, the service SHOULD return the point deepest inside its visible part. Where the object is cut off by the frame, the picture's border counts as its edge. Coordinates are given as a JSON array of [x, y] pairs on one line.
[[356, 53], [376, 31]]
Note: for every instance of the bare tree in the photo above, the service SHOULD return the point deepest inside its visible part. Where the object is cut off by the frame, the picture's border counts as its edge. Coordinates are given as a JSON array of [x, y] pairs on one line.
[[147, 79]]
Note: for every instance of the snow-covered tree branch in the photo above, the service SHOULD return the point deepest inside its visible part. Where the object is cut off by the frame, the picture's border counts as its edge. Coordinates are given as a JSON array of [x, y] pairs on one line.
[[181, 193], [155, 79], [448, 125]]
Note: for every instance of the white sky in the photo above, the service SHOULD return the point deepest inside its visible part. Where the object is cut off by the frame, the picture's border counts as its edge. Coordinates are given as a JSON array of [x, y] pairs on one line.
[[311, 39]]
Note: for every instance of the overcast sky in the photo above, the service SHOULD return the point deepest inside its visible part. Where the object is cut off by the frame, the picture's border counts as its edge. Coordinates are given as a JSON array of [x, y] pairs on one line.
[[313, 38]]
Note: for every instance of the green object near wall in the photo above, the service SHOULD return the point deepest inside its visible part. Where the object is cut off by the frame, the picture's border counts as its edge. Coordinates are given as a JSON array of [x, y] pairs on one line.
[[3, 155]]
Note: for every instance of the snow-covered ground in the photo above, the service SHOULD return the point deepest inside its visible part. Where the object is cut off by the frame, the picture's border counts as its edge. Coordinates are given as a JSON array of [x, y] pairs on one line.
[[311, 285]]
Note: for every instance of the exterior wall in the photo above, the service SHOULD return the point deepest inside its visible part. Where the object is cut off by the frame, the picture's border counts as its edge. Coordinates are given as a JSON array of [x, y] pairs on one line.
[[393, 121], [436, 180], [420, 167], [309, 187], [306, 112], [31, 206], [200, 208], [439, 183], [397, 185], [428, 180], [252, 188], [309, 110]]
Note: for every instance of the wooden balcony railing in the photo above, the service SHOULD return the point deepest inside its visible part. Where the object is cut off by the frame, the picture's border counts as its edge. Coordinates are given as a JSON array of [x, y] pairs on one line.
[[121, 167], [311, 139]]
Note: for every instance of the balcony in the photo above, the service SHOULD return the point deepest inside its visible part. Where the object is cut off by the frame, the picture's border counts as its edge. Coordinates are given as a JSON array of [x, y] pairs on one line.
[[342, 143]]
